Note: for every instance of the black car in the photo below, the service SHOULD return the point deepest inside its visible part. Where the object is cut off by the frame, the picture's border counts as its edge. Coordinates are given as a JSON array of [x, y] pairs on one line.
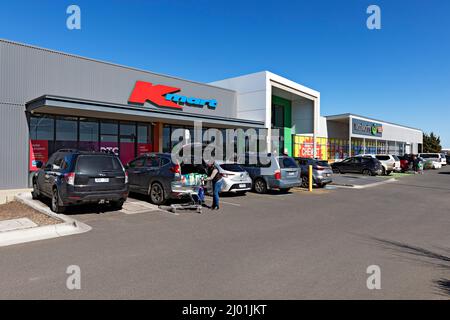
[[156, 175], [72, 177], [365, 165]]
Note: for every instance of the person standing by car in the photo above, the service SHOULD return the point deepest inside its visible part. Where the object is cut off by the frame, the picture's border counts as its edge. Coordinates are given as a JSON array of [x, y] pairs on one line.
[[216, 179]]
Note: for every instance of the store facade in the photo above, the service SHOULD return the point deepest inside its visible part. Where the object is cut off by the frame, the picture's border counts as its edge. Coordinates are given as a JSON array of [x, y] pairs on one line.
[[51, 100]]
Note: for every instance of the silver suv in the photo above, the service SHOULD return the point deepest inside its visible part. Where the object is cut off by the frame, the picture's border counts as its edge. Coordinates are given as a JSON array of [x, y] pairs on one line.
[[272, 173]]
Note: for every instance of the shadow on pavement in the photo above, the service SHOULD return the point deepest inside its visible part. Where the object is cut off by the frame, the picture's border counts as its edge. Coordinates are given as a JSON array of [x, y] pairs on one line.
[[83, 209], [422, 255]]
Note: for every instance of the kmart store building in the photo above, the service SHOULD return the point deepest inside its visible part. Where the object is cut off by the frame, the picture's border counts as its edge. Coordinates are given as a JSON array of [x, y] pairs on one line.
[[51, 100]]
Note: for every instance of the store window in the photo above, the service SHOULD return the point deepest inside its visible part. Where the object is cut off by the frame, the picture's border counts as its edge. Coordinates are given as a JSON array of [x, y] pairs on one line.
[[144, 139], [89, 130], [66, 133], [42, 134], [109, 137], [127, 141]]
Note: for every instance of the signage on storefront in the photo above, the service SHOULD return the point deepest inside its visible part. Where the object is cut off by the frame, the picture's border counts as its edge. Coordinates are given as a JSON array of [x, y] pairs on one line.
[[165, 96], [367, 128], [38, 152]]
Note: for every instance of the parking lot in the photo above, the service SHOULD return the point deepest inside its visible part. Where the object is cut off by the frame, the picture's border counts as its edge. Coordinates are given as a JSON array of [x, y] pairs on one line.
[[275, 246]]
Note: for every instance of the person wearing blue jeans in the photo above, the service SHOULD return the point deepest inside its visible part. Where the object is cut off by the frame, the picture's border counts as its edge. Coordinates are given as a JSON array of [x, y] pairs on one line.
[[217, 182]]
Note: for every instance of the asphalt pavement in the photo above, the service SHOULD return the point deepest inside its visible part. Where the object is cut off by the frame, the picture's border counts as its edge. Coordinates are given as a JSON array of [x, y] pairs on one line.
[[295, 246]]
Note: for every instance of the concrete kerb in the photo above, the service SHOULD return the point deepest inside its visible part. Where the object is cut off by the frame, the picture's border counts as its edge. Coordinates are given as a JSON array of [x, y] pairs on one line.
[[68, 226], [370, 185]]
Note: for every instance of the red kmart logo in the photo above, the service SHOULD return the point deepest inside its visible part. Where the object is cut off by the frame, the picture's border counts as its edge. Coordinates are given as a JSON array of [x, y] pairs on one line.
[[165, 96]]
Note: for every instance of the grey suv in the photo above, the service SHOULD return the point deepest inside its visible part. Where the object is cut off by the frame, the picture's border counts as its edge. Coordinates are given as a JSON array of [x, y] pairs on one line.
[[274, 172], [72, 177], [321, 171], [156, 175]]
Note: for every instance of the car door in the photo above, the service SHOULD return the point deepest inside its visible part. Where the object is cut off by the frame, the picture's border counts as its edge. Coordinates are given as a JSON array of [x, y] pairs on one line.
[[52, 172], [134, 171], [149, 172], [346, 165], [357, 165]]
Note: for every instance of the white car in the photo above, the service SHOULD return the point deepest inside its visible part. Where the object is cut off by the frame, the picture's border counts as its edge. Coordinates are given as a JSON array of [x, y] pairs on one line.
[[443, 159], [435, 159], [235, 178]]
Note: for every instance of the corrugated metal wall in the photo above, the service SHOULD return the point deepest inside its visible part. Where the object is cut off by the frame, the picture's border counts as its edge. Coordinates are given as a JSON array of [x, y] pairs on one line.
[[13, 147], [28, 72]]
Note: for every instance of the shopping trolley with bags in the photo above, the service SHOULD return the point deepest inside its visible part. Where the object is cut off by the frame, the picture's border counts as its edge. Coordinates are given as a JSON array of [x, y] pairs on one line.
[[191, 191]]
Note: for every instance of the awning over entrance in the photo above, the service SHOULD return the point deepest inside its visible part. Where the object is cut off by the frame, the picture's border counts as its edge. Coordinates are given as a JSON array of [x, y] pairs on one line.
[[86, 108]]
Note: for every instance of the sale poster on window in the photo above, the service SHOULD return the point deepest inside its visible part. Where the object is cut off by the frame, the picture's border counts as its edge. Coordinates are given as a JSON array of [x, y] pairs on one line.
[[144, 148], [38, 152], [304, 147]]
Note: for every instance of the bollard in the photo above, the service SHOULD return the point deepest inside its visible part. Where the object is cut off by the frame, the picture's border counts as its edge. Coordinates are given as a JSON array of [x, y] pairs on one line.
[[310, 180]]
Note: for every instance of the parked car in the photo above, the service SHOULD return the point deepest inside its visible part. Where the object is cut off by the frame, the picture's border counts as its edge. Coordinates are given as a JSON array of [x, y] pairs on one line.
[[365, 165], [274, 172], [432, 160], [321, 171], [389, 162], [156, 175], [235, 178], [443, 159], [406, 162], [72, 177], [447, 158]]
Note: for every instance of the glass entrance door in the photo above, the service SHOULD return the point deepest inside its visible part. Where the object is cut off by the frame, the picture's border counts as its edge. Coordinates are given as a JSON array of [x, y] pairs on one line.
[[278, 123], [127, 142]]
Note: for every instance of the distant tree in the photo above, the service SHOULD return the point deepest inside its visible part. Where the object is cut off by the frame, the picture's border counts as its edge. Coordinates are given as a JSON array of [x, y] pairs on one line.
[[431, 143]]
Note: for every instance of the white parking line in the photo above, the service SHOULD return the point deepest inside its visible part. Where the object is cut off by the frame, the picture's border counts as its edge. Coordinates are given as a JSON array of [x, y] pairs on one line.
[[230, 203]]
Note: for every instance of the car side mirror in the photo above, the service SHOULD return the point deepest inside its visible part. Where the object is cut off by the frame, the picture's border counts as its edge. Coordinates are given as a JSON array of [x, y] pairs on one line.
[[39, 164]]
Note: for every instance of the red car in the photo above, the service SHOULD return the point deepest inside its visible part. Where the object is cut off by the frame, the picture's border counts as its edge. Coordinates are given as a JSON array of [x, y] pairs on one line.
[[405, 162]]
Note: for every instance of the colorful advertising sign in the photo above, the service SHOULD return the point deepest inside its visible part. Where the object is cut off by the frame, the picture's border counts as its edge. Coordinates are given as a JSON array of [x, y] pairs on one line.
[[367, 128], [38, 152], [164, 96], [304, 147]]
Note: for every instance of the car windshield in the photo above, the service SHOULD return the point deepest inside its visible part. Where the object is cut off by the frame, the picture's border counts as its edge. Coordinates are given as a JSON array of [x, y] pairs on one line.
[[233, 167], [93, 164], [287, 163]]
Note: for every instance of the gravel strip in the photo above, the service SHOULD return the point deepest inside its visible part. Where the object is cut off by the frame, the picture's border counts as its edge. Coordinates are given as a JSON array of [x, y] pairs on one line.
[[15, 210]]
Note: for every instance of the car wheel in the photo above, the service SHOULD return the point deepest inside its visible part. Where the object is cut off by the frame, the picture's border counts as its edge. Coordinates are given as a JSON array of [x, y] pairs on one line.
[[118, 204], [305, 182], [35, 194], [157, 194], [285, 190], [56, 207], [321, 185], [260, 186], [388, 173], [383, 171], [367, 172]]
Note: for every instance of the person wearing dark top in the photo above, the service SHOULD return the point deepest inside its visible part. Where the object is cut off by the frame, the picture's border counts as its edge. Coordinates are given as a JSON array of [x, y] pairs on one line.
[[217, 182]]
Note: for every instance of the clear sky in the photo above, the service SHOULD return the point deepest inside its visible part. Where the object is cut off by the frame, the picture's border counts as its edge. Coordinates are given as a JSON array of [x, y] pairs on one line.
[[400, 73]]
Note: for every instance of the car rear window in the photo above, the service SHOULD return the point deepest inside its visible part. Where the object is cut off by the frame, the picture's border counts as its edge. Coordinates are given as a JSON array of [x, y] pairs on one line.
[[429, 156], [287, 163], [89, 164], [396, 158], [322, 163], [383, 158], [233, 167]]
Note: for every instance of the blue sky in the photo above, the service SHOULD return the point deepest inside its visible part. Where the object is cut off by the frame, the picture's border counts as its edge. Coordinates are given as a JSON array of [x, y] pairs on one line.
[[400, 73]]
